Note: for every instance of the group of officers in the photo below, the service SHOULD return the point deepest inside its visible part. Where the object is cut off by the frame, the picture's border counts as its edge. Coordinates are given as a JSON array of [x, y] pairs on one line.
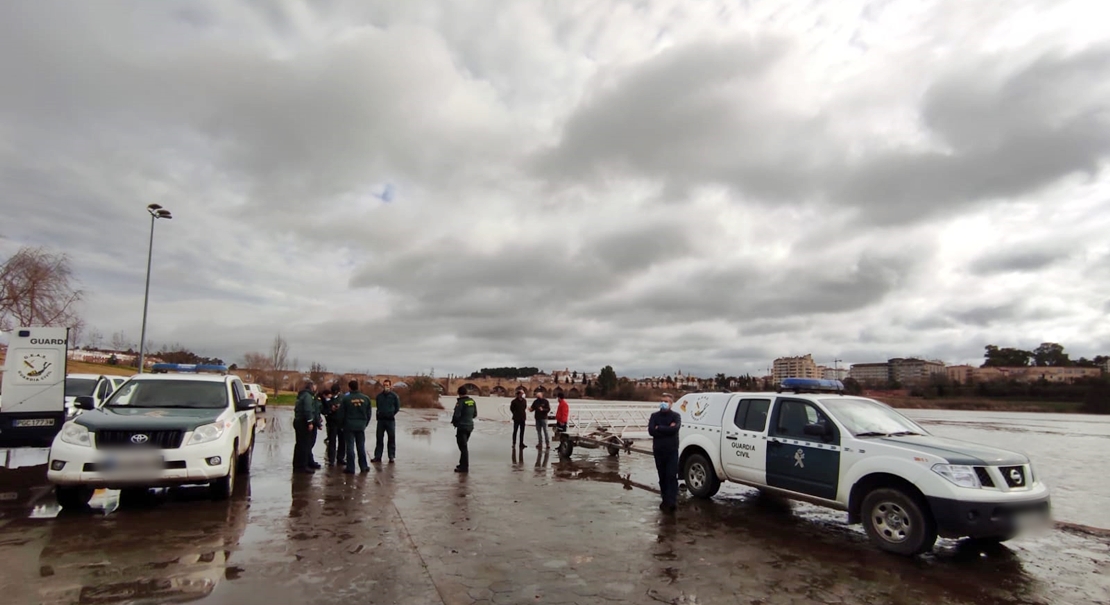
[[345, 417]]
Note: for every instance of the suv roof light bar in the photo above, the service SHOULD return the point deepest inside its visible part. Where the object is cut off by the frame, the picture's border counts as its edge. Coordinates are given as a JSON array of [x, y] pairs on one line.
[[810, 385], [197, 368]]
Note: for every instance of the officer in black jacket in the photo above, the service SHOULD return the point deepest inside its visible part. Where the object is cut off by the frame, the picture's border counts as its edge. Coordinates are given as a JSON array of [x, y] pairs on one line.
[[663, 426], [330, 400], [519, 409]]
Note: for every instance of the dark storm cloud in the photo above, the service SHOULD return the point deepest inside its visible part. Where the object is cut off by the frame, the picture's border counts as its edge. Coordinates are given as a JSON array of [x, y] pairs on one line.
[[1020, 260]]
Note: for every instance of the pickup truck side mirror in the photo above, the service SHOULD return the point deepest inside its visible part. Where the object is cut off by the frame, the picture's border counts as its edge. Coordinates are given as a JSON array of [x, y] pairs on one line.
[[244, 404], [818, 429], [84, 403]]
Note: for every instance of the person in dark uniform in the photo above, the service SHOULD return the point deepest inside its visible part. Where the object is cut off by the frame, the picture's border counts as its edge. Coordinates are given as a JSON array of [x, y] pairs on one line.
[[340, 436], [388, 406], [463, 421], [304, 419], [331, 423], [354, 415], [317, 424], [663, 426], [519, 409]]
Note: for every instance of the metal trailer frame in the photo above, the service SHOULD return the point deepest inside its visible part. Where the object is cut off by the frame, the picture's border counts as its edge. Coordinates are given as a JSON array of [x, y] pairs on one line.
[[615, 427]]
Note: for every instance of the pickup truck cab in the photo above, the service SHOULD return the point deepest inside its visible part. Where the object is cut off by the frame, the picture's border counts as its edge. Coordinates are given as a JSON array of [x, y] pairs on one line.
[[809, 442], [97, 386], [157, 430]]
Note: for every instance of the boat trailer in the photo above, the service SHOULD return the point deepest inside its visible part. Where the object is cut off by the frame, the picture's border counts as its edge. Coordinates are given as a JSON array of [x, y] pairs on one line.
[[615, 427]]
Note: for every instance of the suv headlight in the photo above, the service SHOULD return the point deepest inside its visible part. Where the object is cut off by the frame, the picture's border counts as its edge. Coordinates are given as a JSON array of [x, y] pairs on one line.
[[958, 474], [76, 434], [206, 433]]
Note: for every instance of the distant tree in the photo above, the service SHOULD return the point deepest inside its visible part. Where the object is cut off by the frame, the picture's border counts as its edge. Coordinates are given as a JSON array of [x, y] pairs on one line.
[[1005, 357], [119, 341], [720, 381], [176, 353], [233, 367], [1050, 354], [278, 361], [574, 375], [584, 379], [506, 372], [37, 288], [316, 371], [606, 381], [852, 386], [95, 338]]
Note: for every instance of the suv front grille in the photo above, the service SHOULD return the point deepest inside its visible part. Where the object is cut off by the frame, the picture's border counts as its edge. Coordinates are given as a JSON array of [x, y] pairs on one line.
[[164, 440], [984, 476], [1014, 476]]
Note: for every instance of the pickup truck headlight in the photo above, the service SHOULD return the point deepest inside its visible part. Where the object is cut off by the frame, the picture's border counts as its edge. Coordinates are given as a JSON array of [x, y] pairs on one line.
[[75, 434], [958, 474], [206, 433]]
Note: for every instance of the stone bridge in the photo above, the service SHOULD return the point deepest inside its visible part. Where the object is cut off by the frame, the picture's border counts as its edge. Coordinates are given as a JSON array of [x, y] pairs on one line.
[[506, 387]]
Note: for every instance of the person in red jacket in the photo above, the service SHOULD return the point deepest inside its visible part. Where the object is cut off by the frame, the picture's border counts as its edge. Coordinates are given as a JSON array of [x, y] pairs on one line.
[[562, 415]]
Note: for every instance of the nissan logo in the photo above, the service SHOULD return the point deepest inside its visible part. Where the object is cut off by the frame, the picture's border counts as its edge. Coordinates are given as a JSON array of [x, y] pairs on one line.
[[1015, 476], [139, 439]]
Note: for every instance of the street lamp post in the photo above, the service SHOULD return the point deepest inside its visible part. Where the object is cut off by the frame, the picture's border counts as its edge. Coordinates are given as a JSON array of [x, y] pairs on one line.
[[156, 212]]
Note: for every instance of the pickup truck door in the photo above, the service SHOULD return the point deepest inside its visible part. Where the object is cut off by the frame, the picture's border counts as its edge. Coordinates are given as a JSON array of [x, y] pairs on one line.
[[246, 417], [744, 441], [798, 462]]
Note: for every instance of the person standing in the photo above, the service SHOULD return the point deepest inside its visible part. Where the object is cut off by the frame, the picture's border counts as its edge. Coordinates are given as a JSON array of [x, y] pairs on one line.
[[340, 435], [519, 409], [562, 415], [463, 421], [541, 407], [331, 423], [304, 418], [388, 406], [354, 415], [317, 424], [663, 426]]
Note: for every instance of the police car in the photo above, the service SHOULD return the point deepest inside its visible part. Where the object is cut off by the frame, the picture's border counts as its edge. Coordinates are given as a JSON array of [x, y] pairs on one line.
[[182, 424], [808, 441]]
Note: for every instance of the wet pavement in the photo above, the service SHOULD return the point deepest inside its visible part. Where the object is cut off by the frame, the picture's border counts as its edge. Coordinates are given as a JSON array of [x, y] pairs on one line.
[[517, 529]]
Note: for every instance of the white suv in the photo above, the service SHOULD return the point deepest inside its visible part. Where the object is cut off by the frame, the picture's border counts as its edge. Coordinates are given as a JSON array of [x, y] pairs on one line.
[[156, 430], [255, 392], [862, 456]]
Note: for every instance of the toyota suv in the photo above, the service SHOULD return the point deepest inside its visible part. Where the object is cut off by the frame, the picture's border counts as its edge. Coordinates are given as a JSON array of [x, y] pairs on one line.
[[810, 442], [192, 425]]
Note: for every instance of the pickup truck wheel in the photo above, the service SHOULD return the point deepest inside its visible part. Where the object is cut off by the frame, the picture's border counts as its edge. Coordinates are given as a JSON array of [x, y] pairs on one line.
[[246, 458], [72, 496], [897, 522], [700, 477], [222, 488]]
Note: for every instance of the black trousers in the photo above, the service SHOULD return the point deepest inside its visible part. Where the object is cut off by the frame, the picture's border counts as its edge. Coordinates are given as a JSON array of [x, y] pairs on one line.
[[356, 445], [518, 425], [333, 441], [462, 436], [666, 462], [302, 449], [386, 428]]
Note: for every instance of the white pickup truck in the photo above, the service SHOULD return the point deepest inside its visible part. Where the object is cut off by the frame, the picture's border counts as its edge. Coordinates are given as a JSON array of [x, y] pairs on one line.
[[861, 456]]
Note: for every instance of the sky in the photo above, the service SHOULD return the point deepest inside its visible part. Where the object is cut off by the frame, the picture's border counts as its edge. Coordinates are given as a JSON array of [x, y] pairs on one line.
[[658, 186]]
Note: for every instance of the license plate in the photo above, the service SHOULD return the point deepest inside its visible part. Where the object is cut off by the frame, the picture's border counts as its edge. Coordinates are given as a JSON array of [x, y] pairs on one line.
[[1031, 521], [29, 422], [132, 463]]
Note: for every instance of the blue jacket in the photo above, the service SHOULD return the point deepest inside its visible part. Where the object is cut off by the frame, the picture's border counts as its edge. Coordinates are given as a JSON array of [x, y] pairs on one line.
[[659, 427]]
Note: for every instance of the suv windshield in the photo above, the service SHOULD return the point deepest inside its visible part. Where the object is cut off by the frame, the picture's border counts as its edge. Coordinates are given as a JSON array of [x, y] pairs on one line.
[[80, 387], [865, 417], [170, 394]]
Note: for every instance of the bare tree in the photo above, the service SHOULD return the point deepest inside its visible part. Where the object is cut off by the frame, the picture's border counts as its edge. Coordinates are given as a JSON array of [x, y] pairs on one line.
[[279, 360], [119, 341], [37, 289], [76, 333], [95, 338], [256, 361], [316, 371]]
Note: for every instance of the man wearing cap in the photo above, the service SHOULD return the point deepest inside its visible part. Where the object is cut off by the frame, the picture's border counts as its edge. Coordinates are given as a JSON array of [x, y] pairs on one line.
[[354, 415], [388, 406], [304, 427], [663, 426], [519, 409], [463, 421]]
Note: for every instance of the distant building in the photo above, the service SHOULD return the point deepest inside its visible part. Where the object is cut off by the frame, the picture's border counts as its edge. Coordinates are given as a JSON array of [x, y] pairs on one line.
[[833, 373], [961, 374], [870, 373], [1035, 373], [915, 371], [802, 366]]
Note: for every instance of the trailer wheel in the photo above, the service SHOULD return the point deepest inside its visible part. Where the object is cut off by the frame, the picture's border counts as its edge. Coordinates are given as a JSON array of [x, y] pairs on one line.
[[614, 451], [566, 448]]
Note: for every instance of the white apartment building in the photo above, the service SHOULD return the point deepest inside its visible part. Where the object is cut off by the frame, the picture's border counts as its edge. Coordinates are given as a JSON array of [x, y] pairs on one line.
[[801, 366]]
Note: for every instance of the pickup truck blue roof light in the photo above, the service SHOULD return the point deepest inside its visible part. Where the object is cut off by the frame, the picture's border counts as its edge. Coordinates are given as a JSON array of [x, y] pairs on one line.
[[165, 368], [799, 385]]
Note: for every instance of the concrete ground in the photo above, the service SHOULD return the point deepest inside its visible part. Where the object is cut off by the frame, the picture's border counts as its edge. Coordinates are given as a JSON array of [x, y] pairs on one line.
[[517, 529]]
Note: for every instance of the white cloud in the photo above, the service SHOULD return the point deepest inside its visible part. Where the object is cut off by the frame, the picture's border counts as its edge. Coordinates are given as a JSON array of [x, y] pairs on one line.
[[654, 185]]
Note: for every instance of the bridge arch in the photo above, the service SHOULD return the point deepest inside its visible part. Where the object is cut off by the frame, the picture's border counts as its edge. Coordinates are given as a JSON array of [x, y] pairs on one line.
[[473, 389]]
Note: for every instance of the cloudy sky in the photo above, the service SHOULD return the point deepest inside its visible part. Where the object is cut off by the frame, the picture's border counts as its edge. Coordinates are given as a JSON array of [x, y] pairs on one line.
[[656, 185]]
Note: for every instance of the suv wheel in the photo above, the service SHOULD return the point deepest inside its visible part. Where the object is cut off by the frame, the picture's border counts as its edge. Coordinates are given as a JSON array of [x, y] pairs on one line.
[[246, 457], [222, 488], [72, 496], [700, 477], [898, 522]]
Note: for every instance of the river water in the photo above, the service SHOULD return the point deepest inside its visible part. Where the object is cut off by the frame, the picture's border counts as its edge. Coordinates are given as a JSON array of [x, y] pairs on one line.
[[1070, 452]]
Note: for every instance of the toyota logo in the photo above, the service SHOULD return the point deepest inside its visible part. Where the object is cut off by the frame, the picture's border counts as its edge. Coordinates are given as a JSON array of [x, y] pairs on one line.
[[1015, 476], [139, 439]]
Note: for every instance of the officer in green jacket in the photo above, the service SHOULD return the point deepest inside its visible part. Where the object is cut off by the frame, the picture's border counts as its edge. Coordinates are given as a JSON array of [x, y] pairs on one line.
[[354, 414], [463, 421], [304, 426]]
